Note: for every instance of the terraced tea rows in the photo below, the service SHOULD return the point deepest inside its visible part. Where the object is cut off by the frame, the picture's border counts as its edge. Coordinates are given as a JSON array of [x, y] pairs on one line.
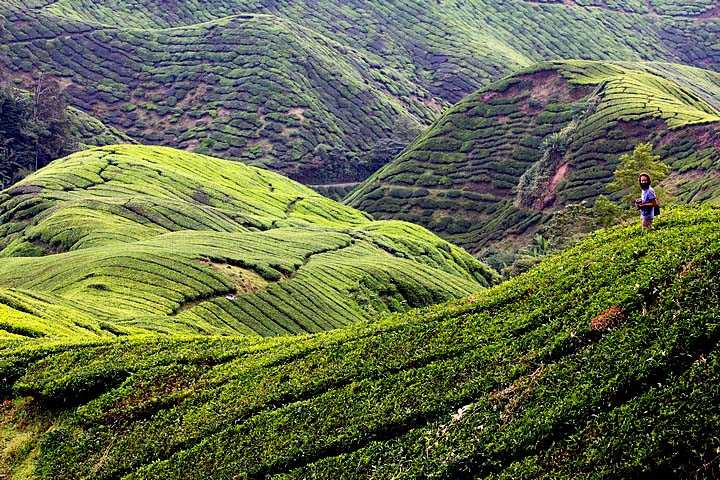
[[500, 162], [324, 91], [679, 8], [601, 361], [125, 240]]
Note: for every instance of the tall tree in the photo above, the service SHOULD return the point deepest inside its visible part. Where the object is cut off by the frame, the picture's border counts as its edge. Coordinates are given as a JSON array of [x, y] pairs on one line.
[[641, 160], [34, 128]]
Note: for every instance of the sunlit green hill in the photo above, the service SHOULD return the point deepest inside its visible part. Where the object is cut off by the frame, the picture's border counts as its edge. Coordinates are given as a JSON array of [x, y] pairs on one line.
[[126, 239]]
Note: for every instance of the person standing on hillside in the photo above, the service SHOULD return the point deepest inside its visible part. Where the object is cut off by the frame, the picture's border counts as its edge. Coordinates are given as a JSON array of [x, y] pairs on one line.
[[647, 203]]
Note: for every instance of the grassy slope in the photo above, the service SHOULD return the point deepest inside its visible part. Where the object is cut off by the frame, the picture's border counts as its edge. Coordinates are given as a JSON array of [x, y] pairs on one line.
[[127, 239], [602, 361], [461, 178], [349, 84]]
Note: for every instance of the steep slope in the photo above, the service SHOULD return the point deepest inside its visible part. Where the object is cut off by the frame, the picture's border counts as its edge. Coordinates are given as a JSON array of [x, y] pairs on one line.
[[501, 161], [602, 361], [127, 239], [323, 91]]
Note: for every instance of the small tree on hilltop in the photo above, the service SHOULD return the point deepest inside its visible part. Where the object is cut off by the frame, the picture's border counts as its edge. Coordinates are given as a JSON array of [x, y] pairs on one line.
[[569, 224], [608, 213], [576, 220], [641, 160]]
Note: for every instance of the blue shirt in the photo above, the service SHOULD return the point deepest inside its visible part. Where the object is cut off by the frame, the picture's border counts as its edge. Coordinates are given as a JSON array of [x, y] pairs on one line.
[[648, 196]]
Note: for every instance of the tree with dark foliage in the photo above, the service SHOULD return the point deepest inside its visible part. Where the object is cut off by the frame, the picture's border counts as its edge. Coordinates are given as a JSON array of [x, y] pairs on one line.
[[34, 129]]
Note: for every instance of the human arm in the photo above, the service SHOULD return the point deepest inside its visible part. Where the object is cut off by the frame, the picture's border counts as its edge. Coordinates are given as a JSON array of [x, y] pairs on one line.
[[647, 200], [650, 203]]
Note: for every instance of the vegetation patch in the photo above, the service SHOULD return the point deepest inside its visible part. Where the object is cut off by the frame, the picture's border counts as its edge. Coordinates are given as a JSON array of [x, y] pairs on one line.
[[38, 126], [603, 358], [22, 423]]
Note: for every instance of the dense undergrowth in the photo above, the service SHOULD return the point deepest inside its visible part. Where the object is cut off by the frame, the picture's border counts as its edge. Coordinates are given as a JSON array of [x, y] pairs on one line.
[[502, 161], [124, 240], [324, 91], [602, 361]]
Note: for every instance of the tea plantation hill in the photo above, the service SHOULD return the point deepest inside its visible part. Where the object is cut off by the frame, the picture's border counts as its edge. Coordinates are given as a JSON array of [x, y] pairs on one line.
[[129, 239], [602, 361], [323, 91], [501, 161]]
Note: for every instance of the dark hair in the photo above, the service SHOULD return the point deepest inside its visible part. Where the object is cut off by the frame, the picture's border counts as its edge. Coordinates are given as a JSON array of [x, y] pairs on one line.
[[645, 175]]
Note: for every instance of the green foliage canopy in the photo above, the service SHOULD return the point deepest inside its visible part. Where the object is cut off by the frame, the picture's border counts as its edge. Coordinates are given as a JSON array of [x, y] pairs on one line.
[[632, 165], [34, 129]]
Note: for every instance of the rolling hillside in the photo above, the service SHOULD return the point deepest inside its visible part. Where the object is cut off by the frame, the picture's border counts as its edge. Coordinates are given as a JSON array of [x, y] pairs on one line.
[[323, 91], [602, 361], [501, 161], [125, 240], [277, 296]]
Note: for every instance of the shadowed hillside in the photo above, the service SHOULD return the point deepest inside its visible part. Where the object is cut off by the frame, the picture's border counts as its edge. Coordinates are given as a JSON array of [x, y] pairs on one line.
[[125, 240], [501, 161], [603, 361], [324, 91]]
